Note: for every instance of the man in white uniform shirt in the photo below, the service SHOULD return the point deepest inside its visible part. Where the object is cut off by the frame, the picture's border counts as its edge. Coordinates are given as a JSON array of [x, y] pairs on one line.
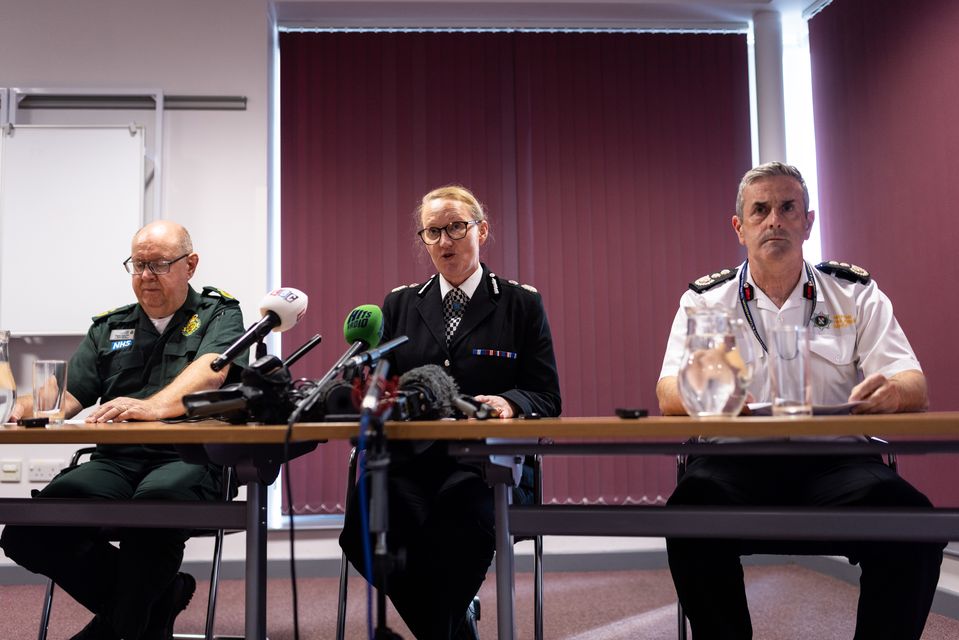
[[858, 353]]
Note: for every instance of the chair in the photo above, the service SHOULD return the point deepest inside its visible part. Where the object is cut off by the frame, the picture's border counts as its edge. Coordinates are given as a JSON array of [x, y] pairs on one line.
[[214, 572], [891, 462], [537, 556]]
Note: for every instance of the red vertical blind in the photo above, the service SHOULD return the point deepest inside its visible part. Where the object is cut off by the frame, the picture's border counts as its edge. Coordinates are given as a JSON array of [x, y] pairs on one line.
[[886, 94], [608, 163]]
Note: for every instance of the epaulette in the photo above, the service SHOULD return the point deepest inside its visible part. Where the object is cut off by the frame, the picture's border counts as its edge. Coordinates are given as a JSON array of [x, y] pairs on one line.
[[112, 312], [412, 285], [214, 292], [528, 287], [426, 286], [709, 281], [844, 270]]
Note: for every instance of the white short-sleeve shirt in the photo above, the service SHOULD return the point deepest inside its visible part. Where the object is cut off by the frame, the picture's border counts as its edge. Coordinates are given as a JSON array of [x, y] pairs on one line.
[[854, 333]]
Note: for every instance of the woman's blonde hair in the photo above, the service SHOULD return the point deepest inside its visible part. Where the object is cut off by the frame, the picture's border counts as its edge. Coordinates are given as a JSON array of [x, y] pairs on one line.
[[452, 192]]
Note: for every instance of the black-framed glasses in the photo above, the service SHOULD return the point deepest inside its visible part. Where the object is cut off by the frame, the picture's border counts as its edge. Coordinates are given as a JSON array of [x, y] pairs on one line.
[[456, 230], [156, 267]]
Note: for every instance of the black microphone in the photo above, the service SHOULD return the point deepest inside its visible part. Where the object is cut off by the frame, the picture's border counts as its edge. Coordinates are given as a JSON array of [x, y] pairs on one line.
[[281, 309], [472, 408], [371, 356], [424, 393], [305, 348]]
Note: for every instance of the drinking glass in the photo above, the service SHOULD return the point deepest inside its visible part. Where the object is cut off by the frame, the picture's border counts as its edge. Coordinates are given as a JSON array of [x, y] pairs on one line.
[[49, 385], [789, 377]]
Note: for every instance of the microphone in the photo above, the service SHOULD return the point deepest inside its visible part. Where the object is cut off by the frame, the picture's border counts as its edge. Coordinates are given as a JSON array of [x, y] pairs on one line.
[[472, 408], [281, 310], [305, 348], [371, 356], [424, 393], [376, 386], [363, 328]]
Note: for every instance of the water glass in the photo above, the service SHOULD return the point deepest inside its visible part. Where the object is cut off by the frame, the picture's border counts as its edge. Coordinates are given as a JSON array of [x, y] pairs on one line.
[[49, 385], [789, 376]]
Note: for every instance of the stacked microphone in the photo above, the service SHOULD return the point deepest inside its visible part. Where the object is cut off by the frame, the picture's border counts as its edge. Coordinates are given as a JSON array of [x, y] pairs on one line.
[[268, 393], [263, 395]]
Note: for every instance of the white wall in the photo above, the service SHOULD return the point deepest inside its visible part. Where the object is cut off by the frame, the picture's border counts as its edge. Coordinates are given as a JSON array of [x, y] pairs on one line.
[[215, 162]]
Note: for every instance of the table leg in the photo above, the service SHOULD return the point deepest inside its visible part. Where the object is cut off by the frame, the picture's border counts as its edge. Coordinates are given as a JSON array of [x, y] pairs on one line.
[[255, 561], [504, 563]]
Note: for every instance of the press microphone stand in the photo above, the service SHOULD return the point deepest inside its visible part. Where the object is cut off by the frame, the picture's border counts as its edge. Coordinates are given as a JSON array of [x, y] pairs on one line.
[[377, 466]]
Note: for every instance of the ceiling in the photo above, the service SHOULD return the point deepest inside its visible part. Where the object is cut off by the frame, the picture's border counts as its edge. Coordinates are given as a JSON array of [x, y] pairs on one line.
[[624, 14]]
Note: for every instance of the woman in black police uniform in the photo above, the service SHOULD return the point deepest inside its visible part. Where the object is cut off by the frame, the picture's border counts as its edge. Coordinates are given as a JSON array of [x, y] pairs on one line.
[[493, 338]]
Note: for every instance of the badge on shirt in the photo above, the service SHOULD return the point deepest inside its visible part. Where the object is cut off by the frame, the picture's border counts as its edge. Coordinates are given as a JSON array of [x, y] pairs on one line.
[[190, 327], [841, 321], [122, 334], [821, 320], [120, 344]]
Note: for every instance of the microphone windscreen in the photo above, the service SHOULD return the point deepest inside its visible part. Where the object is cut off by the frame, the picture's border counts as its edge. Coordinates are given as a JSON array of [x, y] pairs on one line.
[[435, 384], [287, 303], [364, 323]]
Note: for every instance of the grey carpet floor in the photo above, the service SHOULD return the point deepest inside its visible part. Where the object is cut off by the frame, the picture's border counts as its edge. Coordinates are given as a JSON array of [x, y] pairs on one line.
[[788, 602]]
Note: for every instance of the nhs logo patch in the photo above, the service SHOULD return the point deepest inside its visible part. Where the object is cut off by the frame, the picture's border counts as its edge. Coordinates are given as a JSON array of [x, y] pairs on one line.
[[120, 344]]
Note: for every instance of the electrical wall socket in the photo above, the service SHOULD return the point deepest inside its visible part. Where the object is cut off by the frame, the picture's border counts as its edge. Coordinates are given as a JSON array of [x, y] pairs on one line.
[[43, 470], [10, 470]]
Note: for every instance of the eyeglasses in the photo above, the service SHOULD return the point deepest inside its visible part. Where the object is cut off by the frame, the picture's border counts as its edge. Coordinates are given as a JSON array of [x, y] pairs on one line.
[[455, 230], [156, 267]]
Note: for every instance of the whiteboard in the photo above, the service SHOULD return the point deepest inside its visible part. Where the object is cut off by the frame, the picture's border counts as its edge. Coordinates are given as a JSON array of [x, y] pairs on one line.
[[71, 198]]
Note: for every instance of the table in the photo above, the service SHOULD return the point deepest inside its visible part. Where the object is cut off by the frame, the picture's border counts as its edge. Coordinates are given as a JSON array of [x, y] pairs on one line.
[[910, 433]]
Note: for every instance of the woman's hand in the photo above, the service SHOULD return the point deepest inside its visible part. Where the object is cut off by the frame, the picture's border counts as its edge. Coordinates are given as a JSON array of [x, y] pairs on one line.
[[502, 408]]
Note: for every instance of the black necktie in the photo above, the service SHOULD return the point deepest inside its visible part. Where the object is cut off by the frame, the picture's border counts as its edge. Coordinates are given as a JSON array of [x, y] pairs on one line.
[[453, 306]]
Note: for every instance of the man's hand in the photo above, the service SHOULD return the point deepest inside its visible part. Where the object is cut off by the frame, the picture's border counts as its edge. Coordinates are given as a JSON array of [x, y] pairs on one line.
[[905, 391], [502, 408], [168, 401], [120, 409]]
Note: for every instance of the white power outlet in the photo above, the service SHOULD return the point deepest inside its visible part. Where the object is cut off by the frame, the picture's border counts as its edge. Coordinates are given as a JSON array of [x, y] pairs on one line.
[[9, 470], [43, 470]]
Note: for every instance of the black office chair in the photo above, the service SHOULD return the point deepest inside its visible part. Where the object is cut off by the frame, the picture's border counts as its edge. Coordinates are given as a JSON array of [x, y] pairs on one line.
[[214, 572], [681, 470], [537, 556]]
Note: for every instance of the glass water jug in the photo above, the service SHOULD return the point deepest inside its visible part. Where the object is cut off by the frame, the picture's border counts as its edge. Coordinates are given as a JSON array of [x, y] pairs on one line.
[[8, 388], [717, 364]]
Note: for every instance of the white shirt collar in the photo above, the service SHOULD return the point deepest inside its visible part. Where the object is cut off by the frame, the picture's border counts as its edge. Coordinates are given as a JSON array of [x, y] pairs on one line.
[[468, 287], [795, 298]]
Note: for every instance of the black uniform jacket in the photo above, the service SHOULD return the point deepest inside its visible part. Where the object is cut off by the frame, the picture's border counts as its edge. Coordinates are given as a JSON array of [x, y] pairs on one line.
[[502, 346]]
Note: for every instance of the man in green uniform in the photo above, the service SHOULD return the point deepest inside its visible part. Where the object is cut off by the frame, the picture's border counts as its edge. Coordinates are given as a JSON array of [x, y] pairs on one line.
[[138, 361]]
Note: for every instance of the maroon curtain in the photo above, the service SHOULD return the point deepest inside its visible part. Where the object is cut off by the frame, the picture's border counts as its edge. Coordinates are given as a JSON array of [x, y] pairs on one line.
[[608, 163], [886, 94]]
